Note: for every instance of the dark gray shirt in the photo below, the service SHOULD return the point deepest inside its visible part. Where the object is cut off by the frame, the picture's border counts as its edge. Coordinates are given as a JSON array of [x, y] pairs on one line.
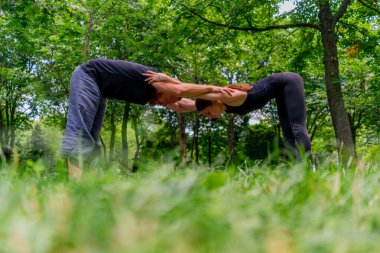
[[120, 80]]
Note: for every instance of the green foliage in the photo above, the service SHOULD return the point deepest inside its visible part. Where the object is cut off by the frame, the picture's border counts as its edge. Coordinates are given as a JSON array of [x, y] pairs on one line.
[[160, 143], [36, 152], [259, 141], [37, 145]]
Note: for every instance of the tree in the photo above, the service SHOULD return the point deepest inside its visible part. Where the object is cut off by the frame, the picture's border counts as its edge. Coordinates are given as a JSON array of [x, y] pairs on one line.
[[17, 67], [124, 135]]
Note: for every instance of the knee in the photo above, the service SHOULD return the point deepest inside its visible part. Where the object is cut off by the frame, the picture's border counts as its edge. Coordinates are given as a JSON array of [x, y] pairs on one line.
[[293, 77]]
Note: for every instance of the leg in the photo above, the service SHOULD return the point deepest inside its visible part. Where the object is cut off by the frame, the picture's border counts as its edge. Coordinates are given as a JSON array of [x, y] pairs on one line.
[[97, 125], [286, 127], [293, 110], [74, 171], [287, 89], [84, 102]]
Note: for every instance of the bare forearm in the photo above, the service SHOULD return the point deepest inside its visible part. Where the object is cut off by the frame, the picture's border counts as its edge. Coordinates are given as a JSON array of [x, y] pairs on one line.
[[195, 90], [184, 105], [172, 86], [173, 80], [186, 89]]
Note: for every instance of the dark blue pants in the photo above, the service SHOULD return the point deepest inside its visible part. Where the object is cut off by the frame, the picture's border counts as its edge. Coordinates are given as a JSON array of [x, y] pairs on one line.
[[84, 120]]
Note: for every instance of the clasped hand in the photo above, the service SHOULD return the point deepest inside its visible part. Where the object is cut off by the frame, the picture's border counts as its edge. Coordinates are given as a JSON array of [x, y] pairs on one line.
[[159, 77]]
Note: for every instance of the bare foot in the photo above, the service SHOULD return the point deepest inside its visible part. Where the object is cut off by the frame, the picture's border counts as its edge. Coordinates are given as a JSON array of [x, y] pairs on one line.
[[74, 171]]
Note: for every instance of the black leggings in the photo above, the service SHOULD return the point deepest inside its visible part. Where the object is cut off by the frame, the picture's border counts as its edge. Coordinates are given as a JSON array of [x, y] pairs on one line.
[[287, 88]]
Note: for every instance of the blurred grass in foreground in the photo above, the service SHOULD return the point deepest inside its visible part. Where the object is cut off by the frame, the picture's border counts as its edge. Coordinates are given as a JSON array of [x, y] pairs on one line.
[[161, 210]]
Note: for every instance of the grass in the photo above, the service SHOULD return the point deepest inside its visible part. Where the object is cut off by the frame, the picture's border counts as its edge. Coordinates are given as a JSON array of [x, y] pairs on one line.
[[259, 209]]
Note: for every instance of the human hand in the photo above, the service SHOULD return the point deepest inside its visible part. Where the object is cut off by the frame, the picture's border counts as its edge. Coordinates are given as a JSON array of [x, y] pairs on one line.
[[158, 77], [227, 91], [224, 90]]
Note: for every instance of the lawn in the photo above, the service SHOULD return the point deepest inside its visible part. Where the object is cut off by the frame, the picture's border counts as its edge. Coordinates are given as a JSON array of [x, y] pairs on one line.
[[161, 209]]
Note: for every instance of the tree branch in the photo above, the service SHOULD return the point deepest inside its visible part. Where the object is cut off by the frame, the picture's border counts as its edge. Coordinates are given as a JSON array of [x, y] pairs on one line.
[[355, 28], [359, 120], [252, 28], [369, 7], [342, 9], [102, 15]]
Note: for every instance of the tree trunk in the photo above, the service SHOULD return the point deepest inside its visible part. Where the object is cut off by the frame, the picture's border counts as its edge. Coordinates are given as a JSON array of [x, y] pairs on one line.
[[13, 137], [209, 148], [12, 125], [88, 35], [355, 123], [195, 144], [182, 136], [7, 123], [113, 134], [1, 128], [196, 79], [104, 147], [333, 87], [124, 135], [231, 138], [138, 145]]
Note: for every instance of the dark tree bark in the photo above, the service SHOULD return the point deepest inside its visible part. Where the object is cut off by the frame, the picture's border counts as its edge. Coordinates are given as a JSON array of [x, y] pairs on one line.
[[209, 148], [231, 138], [104, 147], [113, 134], [88, 35], [195, 144], [7, 121], [332, 79], [355, 123], [139, 141], [12, 125], [1, 127], [124, 135], [182, 136]]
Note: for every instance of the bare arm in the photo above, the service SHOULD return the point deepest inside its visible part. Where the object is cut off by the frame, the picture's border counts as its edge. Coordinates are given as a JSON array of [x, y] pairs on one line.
[[188, 89], [235, 97], [152, 76], [183, 105], [172, 86]]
